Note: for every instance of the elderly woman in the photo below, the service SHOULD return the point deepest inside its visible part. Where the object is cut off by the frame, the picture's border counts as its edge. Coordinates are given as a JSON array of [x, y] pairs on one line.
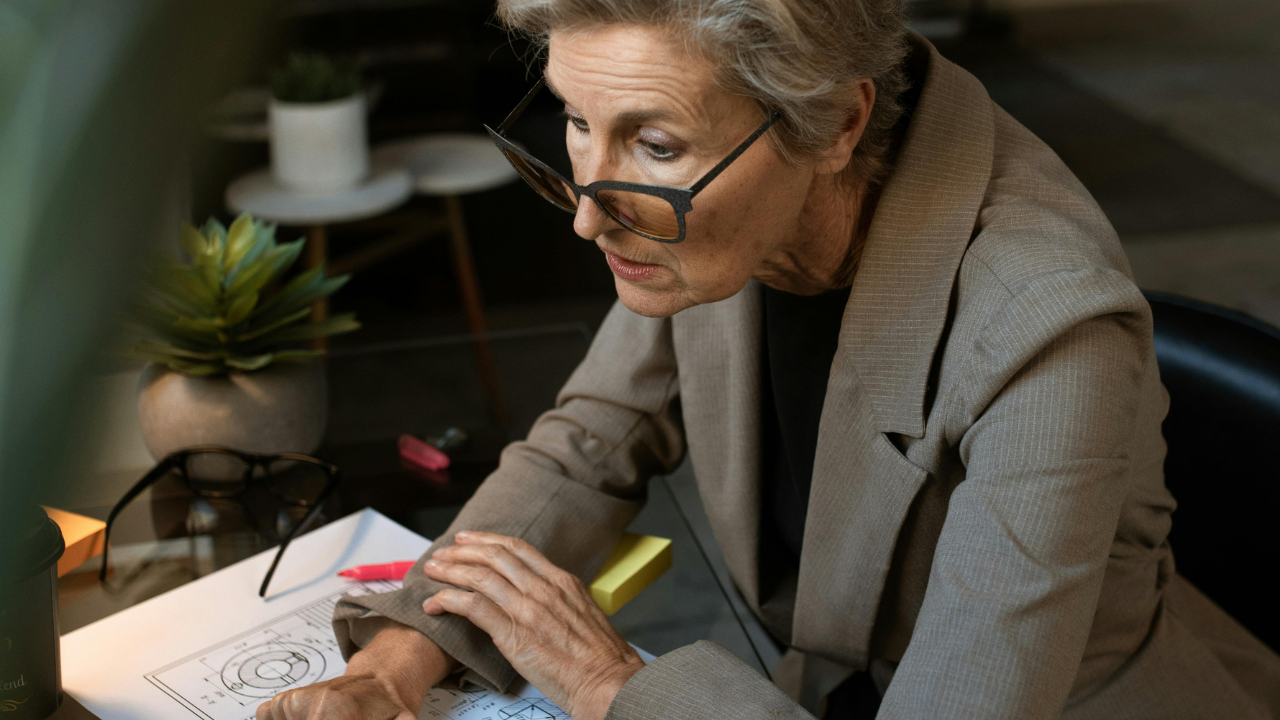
[[904, 352]]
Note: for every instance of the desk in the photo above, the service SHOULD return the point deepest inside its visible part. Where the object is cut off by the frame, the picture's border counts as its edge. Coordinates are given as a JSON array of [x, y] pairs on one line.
[[422, 385]]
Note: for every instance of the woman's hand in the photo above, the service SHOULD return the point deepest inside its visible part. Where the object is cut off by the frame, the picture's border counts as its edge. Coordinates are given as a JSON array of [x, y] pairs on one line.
[[387, 680], [540, 617]]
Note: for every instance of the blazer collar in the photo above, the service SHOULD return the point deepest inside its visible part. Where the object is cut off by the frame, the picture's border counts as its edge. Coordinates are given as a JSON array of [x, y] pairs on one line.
[[922, 225]]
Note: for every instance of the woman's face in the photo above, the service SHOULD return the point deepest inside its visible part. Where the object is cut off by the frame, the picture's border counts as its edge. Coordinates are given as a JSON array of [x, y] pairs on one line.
[[642, 109]]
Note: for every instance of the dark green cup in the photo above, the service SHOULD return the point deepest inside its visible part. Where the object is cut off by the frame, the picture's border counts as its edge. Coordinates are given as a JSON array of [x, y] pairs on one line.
[[30, 669]]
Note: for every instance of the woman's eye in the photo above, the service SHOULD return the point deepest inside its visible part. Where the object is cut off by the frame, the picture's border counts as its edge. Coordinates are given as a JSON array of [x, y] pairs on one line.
[[658, 151], [579, 124]]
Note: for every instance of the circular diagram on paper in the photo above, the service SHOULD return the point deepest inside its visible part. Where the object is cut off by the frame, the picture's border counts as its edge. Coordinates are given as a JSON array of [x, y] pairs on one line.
[[264, 670]]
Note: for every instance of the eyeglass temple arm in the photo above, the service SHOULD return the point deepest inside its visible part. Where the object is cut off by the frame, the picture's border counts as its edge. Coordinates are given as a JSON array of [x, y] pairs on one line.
[[306, 520], [528, 98], [147, 480], [713, 172]]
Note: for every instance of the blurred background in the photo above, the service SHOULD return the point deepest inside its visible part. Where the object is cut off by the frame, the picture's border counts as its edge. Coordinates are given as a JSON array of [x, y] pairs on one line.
[[121, 121]]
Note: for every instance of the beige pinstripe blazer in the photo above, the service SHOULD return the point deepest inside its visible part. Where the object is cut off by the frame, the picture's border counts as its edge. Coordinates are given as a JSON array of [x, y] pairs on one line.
[[986, 530]]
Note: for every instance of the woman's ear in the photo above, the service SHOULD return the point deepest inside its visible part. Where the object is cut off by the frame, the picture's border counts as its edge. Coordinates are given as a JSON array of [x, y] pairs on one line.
[[862, 97]]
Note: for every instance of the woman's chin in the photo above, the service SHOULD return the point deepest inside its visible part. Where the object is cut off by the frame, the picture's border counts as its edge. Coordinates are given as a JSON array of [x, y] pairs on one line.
[[649, 301]]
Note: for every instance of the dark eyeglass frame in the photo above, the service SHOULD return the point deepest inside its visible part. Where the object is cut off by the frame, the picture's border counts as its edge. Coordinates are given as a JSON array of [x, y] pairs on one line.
[[252, 461], [681, 199]]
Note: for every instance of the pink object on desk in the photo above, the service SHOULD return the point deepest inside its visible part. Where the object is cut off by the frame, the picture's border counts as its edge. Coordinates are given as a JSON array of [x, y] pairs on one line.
[[422, 453], [385, 571]]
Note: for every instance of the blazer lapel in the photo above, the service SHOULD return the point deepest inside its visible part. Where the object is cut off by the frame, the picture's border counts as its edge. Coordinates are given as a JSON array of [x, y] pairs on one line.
[[718, 354], [862, 485]]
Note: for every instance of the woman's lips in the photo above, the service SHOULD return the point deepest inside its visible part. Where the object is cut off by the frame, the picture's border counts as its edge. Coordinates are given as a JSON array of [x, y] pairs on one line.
[[628, 270]]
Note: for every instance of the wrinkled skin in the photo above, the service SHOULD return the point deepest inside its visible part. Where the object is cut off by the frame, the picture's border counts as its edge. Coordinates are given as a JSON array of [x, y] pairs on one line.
[[642, 110], [540, 617], [639, 108]]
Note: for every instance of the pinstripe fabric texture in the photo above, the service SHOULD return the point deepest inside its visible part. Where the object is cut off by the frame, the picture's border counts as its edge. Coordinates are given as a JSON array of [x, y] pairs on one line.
[[987, 523]]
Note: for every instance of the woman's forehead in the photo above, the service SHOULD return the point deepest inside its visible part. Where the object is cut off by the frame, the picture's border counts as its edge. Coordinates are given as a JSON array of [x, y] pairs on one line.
[[633, 73]]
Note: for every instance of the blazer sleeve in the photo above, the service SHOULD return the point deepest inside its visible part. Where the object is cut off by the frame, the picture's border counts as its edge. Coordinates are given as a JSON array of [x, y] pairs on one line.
[[1053, 385], [569, 489], [701, 681]]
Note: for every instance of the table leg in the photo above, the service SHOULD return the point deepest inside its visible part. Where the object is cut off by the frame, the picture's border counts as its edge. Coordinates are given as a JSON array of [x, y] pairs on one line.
[[317, 250], [473, 307]]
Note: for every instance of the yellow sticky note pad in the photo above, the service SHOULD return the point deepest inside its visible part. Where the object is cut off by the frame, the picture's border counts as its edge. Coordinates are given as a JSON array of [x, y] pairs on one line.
[[83, 536], [636, 562]]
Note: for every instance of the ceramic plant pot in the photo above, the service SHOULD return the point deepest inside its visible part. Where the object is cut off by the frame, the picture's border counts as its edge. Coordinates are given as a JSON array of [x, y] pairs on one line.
[[281, 408], [319, 148]]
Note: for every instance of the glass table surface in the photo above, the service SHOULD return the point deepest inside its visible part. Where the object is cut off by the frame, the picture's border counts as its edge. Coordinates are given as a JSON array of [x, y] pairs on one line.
[[170, 536]]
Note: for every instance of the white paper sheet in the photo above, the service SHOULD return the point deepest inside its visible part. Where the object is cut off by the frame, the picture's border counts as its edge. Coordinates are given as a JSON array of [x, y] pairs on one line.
[[213, 650]]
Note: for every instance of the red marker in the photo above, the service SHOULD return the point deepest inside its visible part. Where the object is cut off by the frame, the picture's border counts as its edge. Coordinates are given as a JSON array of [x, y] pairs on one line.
[[385, 571], [421, 453]]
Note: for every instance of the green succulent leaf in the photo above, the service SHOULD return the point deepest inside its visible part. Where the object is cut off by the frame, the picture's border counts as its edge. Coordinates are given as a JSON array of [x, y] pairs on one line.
[[194, 338], [210, 271], [263, 241], [218, 313], [241, 237], [289, 301], [213, 228], [179, 365], [192, 241], [300, 283], [240, 308], [190, 284], [174, 304], [296, 355], [311, 331], [268, 268], [200, 324], [162, 348], [273, 326]]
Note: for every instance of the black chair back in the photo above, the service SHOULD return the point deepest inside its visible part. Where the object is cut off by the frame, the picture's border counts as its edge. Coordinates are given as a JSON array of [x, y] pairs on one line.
[[1222, 370]]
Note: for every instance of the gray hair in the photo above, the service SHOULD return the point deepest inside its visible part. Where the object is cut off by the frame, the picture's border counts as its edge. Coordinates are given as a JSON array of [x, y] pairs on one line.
[[795, 56]]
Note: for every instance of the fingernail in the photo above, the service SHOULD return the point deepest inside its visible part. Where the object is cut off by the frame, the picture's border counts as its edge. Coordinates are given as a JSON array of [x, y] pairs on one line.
[[431, 563]]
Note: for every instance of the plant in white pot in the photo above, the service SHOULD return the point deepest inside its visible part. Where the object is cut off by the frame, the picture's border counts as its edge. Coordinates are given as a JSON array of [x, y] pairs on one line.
[[316, 123], [229, 346]]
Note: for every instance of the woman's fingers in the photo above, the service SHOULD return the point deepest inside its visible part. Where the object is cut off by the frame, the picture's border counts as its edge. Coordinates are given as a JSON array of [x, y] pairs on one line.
[[479, 578], [558, 581], [496, 557], [527, 553], [477, 608], [342, 698], [540, 617]]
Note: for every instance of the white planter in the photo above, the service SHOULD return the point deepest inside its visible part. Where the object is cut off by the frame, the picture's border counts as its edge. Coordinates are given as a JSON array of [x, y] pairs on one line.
[[319, 148], [281, 408]]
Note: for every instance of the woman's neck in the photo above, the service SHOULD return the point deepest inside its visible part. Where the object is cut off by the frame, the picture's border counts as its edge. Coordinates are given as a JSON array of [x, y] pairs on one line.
[[823, 252]]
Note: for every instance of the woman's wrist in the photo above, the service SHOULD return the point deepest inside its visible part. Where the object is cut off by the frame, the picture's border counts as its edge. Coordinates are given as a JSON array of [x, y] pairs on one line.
[[407, 663], [595, 702]]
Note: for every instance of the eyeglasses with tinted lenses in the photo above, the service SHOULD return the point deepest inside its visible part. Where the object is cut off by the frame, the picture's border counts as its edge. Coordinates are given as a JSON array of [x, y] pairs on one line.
[[653, 211]]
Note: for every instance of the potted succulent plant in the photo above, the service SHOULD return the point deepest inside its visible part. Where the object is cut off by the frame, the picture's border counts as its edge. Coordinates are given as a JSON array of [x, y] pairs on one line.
[[229, 345], [316, 123]]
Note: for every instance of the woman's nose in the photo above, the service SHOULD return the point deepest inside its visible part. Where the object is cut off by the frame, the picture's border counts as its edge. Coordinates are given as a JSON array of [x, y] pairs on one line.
[[591, 222]]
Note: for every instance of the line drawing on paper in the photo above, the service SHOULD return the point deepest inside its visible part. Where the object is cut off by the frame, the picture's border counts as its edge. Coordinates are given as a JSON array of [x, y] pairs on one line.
[[229, 680], [266, 669], [533, 709]]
